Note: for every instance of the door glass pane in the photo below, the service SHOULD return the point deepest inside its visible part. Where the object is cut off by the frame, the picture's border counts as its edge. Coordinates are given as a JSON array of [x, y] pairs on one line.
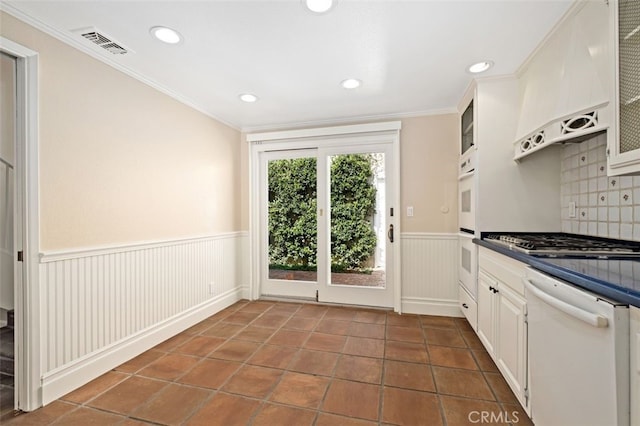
[[293, 237], [358, 228]]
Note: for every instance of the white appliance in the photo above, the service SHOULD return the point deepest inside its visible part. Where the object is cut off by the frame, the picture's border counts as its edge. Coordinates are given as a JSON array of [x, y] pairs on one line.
[[468, 264], [578, 355], [467, 202]]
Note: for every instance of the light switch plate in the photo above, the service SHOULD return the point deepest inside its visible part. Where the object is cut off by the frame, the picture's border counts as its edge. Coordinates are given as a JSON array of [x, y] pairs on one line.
[[572, 209], [410, 211]]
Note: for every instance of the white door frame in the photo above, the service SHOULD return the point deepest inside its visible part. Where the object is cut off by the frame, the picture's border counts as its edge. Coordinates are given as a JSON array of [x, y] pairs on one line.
[[27, 231], [364, 134]]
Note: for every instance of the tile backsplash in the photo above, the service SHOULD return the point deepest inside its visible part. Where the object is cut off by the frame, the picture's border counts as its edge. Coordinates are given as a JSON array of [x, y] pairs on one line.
[[605, 206]]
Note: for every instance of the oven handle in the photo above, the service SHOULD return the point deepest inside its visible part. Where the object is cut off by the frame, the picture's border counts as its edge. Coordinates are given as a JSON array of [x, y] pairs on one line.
[[466, 175], [590, 318]]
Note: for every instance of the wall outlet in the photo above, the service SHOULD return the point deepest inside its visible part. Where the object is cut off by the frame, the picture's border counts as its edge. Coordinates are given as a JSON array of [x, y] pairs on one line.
[[410, 211], [572, 209], [212, 288]]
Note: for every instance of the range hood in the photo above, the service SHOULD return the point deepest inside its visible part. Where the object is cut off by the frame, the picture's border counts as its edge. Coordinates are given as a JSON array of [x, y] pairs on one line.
[[564, 88]]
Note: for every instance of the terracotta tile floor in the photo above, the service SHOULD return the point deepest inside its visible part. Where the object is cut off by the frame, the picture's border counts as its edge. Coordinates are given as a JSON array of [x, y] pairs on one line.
[[275, 363]]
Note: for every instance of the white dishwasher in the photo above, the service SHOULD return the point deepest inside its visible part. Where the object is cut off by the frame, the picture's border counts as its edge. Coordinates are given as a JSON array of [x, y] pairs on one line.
[[578, 355]]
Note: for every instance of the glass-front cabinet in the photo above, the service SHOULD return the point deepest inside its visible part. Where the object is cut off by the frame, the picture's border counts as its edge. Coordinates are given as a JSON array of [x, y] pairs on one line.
[[624, 143]]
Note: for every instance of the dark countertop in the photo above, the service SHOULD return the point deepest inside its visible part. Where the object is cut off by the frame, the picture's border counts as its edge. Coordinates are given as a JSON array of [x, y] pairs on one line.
[[616, 279]]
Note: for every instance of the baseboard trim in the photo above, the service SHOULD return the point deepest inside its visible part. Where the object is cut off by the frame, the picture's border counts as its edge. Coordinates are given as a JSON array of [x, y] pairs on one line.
[[67, 378], [426, 306]]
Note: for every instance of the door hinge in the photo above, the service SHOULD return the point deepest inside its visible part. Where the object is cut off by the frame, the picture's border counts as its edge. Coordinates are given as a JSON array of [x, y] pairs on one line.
[[316, 295], [20, 256], [526, 395], [526, 318]]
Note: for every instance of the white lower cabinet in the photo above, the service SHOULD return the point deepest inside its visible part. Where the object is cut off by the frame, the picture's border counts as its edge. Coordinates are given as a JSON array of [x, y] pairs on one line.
[[502, 327], [487, 312], [511, 346], [634, 369], [468, 306]]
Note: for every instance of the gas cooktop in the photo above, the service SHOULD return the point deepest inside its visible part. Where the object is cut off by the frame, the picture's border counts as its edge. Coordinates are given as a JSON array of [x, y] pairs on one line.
[[560, 244]]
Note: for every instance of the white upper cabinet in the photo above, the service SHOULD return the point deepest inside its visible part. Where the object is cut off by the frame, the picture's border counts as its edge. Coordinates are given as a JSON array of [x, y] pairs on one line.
[[565, 85], [624, 140]]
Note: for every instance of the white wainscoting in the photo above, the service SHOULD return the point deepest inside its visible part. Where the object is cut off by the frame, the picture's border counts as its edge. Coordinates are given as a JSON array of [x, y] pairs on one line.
[[101, 307], [430, 274]]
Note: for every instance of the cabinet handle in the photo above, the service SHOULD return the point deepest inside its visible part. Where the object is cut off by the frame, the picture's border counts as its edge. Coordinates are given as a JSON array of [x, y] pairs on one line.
[[492, 289], [464, 305], [495, 290]]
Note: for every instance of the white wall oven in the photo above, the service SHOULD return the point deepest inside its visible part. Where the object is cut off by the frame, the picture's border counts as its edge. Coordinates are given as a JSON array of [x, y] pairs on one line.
[[468, 264], [466, 202]]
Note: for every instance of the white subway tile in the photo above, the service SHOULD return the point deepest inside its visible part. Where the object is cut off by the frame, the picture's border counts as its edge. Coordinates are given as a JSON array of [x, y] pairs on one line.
[[583, 200], [626, 231], [584, 172], [626, 214], [603, 183], [614, 230], [584, 228], [614, 198], [584, 186], [603, 199], [614, 214], [603, 214], [593, 228], [603, 229], [626, 182]]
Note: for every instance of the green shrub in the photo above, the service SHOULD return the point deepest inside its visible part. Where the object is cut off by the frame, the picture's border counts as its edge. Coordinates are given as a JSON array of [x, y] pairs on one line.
[[292, 212]]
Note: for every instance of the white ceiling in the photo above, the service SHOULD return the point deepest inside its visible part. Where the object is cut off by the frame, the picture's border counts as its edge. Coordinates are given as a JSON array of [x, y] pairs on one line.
[[410, 55]]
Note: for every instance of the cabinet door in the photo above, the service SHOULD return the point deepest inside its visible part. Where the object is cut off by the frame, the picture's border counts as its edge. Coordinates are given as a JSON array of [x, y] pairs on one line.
[[625, 137], [511, 345], [486, 311]]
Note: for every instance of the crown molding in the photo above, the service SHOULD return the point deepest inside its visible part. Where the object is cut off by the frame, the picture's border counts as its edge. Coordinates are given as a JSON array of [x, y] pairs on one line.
[[348, 120]]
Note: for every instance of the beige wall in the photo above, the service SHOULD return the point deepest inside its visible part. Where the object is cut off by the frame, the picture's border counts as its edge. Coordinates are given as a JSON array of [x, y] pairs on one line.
[[429, 173], [121, 162]]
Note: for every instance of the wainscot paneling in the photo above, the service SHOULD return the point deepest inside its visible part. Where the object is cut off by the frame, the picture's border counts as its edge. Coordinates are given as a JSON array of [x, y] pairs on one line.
[[101, 307], [430, 274]]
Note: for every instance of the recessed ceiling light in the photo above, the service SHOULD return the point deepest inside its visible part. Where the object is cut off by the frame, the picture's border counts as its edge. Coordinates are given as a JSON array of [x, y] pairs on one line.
[[166, 35], [248, 97], [480, 67], [351, 83], [318, 6]]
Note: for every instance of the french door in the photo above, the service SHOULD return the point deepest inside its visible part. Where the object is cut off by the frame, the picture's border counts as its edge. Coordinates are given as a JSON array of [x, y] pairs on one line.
[[327, 223]]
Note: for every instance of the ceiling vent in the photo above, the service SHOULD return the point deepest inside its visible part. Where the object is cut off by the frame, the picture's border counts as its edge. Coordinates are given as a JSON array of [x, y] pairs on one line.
[[102, 40]]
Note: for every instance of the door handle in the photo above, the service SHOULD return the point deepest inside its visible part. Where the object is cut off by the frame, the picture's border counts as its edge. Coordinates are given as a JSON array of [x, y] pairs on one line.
[[390, 233]]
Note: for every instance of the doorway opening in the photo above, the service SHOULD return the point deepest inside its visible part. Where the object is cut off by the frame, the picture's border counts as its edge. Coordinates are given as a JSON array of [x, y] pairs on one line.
[[8, 137], [323, 227], [21, 246]]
